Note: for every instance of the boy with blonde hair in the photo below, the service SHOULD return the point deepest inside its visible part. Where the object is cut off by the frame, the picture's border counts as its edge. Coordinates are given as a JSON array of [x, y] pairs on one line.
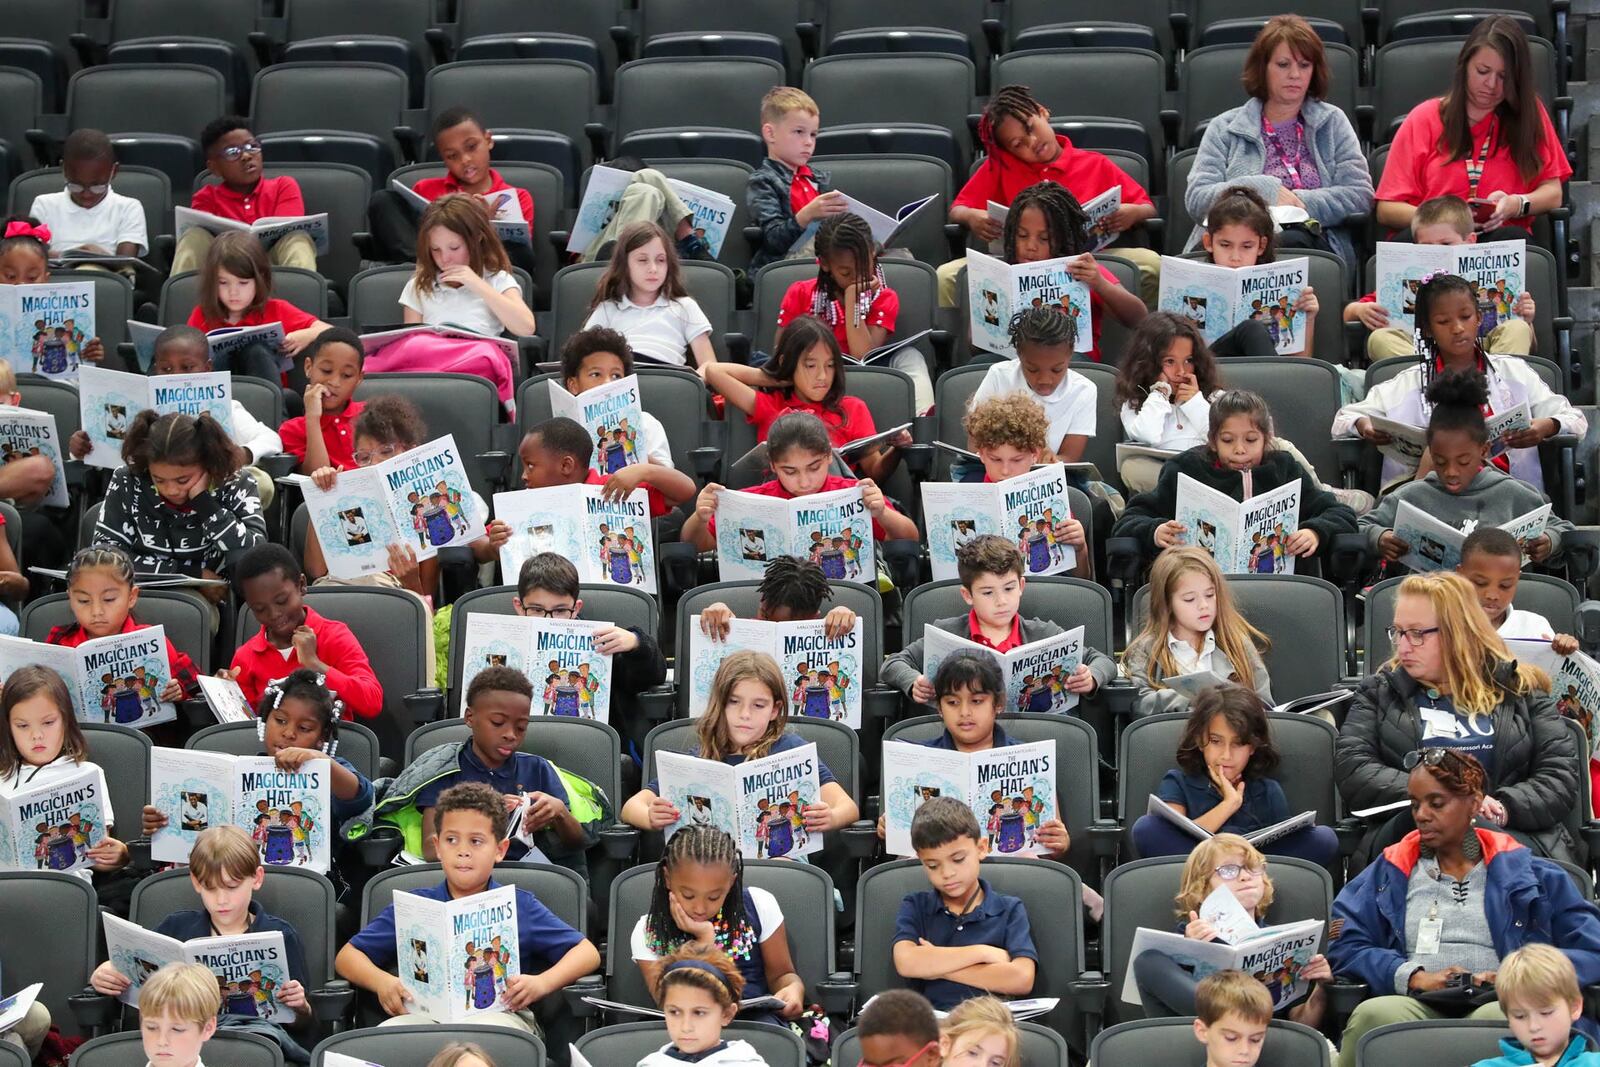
[[178, 1014], [786, 198], [1232, 1011], [1444, 220], [1537, 987]]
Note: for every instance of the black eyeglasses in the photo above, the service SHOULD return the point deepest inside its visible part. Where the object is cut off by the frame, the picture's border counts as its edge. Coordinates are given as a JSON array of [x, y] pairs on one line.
[[1414, 636], [546, 613], [234, 151], [1429, 757]]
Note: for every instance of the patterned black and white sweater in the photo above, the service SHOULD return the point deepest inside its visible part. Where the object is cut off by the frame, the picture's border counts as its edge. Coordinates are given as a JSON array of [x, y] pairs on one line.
[[161, 538]]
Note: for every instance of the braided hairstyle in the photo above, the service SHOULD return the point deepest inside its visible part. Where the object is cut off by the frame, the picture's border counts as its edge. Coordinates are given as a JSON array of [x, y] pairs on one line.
[[96, 557], [844, 235], [311, 689], [1434, 288], [1064, 220], [1459, 773], [707, 846], [1007, 102], [795, 584], [1044, 326]]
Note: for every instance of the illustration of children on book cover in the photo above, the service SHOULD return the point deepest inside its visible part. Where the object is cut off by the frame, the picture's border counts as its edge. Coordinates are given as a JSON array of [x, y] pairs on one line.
[[836, 534], [823, 681], [430, 486], [1496, 270], [609, 541], [286, 813], [250, 971], [612, 413], [569, 675], [49, 326], [622, 547], [1038, 677], [1013, 794], [52, 828], [25, 433], [832, 530], [773, 804], [455, 956], [823, 673], [1576, 687], [123, 679]]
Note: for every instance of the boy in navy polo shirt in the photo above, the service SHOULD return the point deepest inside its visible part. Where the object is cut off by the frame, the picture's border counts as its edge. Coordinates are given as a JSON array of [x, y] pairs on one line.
[[959, 939], [991, 568], [499, 702], [225, 870], [471, 820]]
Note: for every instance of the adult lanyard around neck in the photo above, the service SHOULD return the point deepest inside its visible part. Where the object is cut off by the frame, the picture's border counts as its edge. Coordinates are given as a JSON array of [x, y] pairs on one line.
[[1475, 163], [1275, 142]]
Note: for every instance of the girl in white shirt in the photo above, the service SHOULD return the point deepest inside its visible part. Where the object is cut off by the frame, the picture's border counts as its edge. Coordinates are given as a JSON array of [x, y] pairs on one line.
[[641, 296], [1165, 385], [43, 744]]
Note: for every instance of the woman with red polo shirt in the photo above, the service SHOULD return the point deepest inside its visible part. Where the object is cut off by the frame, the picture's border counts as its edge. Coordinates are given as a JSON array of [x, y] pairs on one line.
[[236, 291], [1488, 139]]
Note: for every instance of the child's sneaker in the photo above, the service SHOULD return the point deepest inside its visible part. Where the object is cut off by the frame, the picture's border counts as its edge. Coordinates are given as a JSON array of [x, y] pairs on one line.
[[1357, 500]]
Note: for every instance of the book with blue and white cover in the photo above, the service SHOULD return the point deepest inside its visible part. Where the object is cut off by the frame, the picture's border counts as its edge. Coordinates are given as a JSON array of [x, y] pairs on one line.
[[52, 827], [1011, 791], [1496, 270], [455, 956], [832, 530], [109, 399], [1435, 545], [250, 968], [609, 541], [759, 803], [1024, 509], [1244, 537], [998, 290], [613, 414], [1216, 298], [712, 212], [116, 679], [24, 433], [1036, 673], [286, 813], [46, 326], [570, 677], [822, 674]]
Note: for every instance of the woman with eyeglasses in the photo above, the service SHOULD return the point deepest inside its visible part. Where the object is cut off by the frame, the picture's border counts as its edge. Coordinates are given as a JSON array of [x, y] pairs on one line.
[[1453, 684], [1448, 902], [1167, 987]]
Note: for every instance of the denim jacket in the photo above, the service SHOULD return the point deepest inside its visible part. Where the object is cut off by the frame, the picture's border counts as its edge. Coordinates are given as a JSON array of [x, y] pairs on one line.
[[767, 198]]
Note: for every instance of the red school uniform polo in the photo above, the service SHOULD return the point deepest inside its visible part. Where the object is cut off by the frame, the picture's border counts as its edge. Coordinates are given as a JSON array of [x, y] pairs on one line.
[[885, 309], [1010, 641], [178, 662], [833, 482], [338, 433], [854, 423], [434, 188], [274, 310], [1084, 173], [802, 188], [272, 198], [349, 672]]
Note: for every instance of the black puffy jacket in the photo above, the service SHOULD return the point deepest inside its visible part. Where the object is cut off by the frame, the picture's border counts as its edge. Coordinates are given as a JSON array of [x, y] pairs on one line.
[[1535, 756]]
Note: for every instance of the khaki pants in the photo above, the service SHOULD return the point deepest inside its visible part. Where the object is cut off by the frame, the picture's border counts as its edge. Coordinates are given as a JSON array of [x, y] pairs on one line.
[[648, 198], [29, 1033], [265, 487], [1148, 260], [294, 250], [1511, 338], [1380, 1011], [512, 1020]]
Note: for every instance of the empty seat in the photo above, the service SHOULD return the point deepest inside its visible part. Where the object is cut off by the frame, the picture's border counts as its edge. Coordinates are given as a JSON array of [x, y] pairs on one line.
[[485, 28], [331, 113], [929, 89], [209, 33], [666, 93], [778, 19], [154, 112], [873, 22], [392, 32], [1345, 14], [38, 39]]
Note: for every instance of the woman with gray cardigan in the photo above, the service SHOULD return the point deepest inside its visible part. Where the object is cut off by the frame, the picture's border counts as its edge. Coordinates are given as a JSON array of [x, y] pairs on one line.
[[1286, 143]]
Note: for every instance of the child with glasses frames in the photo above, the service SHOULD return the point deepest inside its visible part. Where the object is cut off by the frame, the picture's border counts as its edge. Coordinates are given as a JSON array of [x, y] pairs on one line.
[[898, 1029], [88, 217], [1166, 988], [244, 193]]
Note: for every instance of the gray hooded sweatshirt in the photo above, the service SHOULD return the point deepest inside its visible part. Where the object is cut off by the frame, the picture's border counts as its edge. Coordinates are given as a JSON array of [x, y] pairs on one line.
[[1492, 497]]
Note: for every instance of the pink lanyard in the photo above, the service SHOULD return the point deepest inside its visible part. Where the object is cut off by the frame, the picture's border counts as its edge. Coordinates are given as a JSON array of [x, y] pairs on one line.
[[1275, 142]]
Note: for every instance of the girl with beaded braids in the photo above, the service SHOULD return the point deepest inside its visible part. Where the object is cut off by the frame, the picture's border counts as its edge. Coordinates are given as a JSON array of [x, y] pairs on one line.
[[700, 899], [1447, 320], [297, 720]]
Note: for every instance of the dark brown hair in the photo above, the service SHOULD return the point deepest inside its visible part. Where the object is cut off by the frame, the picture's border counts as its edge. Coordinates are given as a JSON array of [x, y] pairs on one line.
[[182, 440], [26, 683], [1141, 360], [473, 796], [1245, 715], [242, 256], [988, 554], [1520, 129], [613, 284], [1238, 206], [1302, 40]]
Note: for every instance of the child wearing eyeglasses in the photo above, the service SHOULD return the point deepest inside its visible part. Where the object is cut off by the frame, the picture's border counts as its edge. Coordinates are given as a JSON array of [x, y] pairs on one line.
[[898, 1029], [244, 193], [1166, 988], [88, 216]]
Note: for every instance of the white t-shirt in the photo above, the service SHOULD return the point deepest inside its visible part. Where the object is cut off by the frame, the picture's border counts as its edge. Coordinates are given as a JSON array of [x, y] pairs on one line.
[[1070, 409], [444, 306], [1160, 423], [27, 777], [113, 220], [660, 331], [654, 438], [768, 916], [1525, 625]]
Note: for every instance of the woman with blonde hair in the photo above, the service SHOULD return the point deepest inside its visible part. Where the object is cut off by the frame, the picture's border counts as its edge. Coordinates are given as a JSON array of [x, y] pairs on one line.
[[1166, 988], [1453, 684], [980, 1032]]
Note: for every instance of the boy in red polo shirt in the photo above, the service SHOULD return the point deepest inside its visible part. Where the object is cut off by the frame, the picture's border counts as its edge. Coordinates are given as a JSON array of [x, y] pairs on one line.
[[785, 197], [325, 436], [463, 145], [1022, 150], [272, 585], [991, 568], [244, 194]]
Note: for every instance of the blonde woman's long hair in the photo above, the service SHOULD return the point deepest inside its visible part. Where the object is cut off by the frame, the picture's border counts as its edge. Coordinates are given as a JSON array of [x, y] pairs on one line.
[[1473, 652], [712, 729], [1234, 634], [1207, 856], [976, 1019]]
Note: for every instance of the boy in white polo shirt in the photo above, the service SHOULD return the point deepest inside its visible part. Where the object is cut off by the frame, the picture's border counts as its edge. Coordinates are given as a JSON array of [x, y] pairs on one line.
[[88, 216]]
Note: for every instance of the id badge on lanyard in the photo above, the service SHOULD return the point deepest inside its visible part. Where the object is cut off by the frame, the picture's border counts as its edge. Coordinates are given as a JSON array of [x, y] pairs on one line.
[[1430, 933]]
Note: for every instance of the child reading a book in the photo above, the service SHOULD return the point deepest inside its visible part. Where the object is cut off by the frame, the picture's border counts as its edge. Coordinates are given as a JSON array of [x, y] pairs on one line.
[[1462, 485], [470, 819], [897, 1028], [1166, 988], [102, 594], [245, 194], [324, 436], [182, 502], [1448, 320], [1224, 782], [292, 635], [42, 742], [1237, 459], [1193, 626], [1043, 337], [1232, 1010], [1022, 150], [745, 718], [1443, 220], [980, 1031], [791, 590], [806, 373], [1537, 988], [499, 701], [25, 260], [598, 356], [236, 291], [698, 989], [850, 295], [700, 900], [89, 217], [641, 295], [1491, 560], [1238, 233], [178, 1014], [1008, 432], [799, 451], [786, 197], [225, 870], [991, 571], [463, 279], [559, 451], [959, 939]]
